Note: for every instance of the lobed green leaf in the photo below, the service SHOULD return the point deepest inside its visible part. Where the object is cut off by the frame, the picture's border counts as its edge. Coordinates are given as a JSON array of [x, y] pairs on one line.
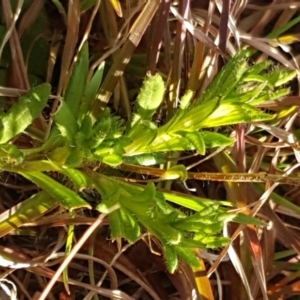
[[68, 199], [23, 112], [234, 113], [188, 256]]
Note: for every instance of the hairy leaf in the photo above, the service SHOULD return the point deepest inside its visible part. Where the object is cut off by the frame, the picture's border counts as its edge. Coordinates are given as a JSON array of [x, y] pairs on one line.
[[170, 257], [150, 97]]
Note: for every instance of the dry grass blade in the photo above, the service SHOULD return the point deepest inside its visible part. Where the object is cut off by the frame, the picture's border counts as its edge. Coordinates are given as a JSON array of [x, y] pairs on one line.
[[89, 25], [121, 263], [199, 35], [275, 6], [18, 77], [179, 44], [53, 52], [224, 19], [203, 283], [73, 21], [136, 32], [75, 249], [11, 92], [30, 16], [12, 24], [240, 269], [198, 67], [184, 42], [112, 35], [255, 249], [226, 177], [157, 35], [267, 49]]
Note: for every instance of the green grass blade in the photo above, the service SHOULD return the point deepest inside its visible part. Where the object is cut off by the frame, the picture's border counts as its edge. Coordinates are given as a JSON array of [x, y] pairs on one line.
[[77, 83], [91, 91], [278, 31]]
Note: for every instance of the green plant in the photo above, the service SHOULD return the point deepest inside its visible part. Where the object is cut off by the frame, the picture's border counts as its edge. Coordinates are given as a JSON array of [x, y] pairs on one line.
[[81, 139]]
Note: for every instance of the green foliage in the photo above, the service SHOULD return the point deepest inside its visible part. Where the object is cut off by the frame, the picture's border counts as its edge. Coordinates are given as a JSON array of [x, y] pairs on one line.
[[68, 198], [77, 140], [10, 154], [149, 98], [27, 211], [230, 99], [23, 113], [175, 172], [77, 83], [146, 206], [91, 91]]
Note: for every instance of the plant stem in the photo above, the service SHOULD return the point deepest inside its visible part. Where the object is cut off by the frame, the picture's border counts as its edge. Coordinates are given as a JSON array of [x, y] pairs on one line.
[[231, 177]]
